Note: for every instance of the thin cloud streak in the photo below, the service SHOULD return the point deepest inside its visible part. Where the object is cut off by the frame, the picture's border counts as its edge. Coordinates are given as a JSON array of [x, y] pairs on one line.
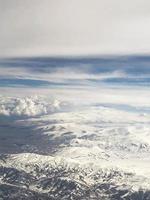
[[59, 75]]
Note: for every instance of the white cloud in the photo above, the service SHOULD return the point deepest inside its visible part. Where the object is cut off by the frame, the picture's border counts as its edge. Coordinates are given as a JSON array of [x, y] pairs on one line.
[[24, 102], [28, 106], [60, 74]]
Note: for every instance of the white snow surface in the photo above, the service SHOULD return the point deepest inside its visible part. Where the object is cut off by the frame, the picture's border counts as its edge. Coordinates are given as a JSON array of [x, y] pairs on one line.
[[93, 137]]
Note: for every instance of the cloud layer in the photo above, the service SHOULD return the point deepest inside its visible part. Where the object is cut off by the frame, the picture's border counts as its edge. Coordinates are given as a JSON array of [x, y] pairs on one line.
[[120, 81], [64, 72], [74, 27]]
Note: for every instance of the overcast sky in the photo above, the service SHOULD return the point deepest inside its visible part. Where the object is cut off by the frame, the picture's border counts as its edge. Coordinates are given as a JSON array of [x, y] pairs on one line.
[[74, 27]]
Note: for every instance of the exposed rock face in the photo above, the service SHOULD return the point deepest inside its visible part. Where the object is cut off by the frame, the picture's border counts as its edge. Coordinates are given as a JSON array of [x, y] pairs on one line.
[[55, 179]]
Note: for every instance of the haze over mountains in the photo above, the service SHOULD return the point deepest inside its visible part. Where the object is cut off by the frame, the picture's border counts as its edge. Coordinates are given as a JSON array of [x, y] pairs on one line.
[[75, 128]]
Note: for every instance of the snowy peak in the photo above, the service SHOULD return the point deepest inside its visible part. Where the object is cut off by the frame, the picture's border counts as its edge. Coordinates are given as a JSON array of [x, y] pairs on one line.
[[53, 178]]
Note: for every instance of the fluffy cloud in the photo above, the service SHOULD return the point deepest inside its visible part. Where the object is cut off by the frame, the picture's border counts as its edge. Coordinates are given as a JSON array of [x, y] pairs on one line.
[[28, 106]]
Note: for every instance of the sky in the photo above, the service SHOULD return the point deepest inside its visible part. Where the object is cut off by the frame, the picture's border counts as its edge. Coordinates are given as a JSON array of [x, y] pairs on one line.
[[74, 27], [33, 32]]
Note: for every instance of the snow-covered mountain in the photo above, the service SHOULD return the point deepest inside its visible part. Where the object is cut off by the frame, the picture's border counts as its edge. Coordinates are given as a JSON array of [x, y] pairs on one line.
[[64, 151], [31, 176]]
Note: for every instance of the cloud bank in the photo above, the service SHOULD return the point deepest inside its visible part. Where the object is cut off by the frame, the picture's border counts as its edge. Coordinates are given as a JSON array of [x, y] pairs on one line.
[[28, 106], [121, 81]]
